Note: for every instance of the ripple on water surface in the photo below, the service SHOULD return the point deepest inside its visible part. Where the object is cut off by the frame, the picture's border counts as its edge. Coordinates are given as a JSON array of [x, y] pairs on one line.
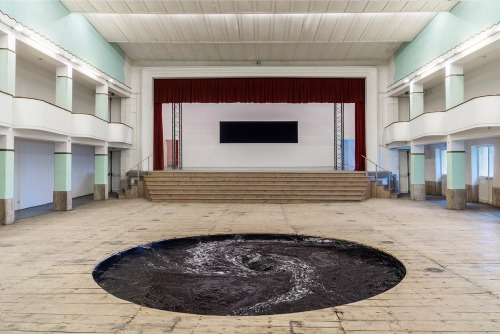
[[248, 274]]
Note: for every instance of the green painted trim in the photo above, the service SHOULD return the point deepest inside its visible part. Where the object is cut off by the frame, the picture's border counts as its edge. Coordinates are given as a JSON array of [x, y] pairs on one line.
[[101, 169], [62, 171], [445, 32], [456, 170], [6, 150], [71, 31], [417, 168], [6, 174], [8, 71]]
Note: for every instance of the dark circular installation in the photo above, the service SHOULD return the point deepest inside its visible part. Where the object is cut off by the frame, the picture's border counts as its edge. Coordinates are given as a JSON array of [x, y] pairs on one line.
[[252, 274]]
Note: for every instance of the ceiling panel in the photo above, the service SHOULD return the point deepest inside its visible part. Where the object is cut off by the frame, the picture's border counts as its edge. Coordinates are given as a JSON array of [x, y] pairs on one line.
[[256, 6], [258, 30]]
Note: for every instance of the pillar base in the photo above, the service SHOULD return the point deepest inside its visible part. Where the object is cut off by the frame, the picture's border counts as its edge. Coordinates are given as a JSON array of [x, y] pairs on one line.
[[417, 192], [456, 199], [7, 212], [100, 192], [496, 196], [62, 201]]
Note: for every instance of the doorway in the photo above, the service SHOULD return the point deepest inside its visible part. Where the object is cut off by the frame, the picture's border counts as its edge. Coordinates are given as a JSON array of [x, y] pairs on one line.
[[404, 171], [485, 173], [114, 170]]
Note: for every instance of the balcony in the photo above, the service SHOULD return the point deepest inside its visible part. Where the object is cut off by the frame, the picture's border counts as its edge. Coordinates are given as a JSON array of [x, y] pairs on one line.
[[476, 118], [45, 118]]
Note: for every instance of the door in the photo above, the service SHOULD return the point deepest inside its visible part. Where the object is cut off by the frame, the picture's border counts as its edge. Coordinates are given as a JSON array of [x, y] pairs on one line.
[[404, 171], [485, 168], [114, 171]]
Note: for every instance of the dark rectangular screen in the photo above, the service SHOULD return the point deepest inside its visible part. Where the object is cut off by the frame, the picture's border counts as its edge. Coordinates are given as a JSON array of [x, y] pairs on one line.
[[259, 132]]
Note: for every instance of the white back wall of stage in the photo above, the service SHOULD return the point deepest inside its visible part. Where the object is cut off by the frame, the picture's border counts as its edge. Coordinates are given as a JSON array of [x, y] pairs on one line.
[[34, 81], [34, 176], [201, 147], [83, 98], [82, 170]]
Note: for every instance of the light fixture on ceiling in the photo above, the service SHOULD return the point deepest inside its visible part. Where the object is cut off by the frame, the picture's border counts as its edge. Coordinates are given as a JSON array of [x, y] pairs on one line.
[[19, 27], [74, 60], [406, 81], [111, 80]]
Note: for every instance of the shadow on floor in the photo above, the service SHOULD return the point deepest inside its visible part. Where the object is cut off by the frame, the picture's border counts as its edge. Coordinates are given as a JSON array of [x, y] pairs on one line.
[[483, 208], [47, 208]]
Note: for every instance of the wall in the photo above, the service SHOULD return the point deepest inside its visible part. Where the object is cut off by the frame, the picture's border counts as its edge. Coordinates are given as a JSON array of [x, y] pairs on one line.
[[478, 82], [404, 109], [115, 106], [83, 98], [202, 149], [82, 170], [446, 31], [34, 81], [33, 173], [434, 98], [483, 80], [71, 31]]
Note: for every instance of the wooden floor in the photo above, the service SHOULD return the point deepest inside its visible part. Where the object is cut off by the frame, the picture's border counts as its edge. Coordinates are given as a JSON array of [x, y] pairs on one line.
[[452, 259]]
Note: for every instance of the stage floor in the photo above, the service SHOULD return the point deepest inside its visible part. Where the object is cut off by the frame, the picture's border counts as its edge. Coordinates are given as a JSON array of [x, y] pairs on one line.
[[452, 260]]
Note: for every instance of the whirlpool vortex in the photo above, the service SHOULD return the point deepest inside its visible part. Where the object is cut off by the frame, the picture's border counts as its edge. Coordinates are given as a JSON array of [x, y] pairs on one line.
[[252, 274]]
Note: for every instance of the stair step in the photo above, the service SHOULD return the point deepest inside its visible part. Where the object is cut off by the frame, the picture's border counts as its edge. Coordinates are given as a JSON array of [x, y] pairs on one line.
[[257, 187]]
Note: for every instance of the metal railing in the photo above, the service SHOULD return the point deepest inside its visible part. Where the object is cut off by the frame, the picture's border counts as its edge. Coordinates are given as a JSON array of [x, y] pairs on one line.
[[138, 167], [390, 182]]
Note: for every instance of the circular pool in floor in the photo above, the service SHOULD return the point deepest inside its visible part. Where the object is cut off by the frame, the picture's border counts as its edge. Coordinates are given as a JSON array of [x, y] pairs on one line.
[[250, 274]]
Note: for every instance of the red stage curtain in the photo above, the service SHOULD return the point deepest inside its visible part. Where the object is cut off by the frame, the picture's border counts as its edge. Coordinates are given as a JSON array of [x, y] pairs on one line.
[[260, 90], [158, 160], [359, 136]]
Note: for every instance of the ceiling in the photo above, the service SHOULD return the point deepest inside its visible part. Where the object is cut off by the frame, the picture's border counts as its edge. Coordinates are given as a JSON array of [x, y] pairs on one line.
[[361, 32]]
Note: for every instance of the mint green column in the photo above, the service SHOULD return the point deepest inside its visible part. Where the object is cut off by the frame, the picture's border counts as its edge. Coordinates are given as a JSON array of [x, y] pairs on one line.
[[456, 193], [102, 102], [7, 210], [417, 173], [8, 64], [454, 86], [101, 173], [416, 100], [64, 87], [62, 177]]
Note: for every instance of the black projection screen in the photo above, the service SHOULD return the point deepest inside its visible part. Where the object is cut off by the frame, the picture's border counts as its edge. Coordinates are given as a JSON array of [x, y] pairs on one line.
[[259, 132]]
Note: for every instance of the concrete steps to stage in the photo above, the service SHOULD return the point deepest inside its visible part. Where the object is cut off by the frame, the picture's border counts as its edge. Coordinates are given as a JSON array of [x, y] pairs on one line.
[[257, 187]]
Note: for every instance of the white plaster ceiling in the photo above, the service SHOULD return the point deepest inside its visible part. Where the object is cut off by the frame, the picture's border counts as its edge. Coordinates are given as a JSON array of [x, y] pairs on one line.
[[280, 31]]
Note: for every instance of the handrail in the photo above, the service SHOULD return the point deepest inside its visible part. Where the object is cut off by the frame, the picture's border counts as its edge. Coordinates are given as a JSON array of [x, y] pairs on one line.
[[137, 165], [376, 172]]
